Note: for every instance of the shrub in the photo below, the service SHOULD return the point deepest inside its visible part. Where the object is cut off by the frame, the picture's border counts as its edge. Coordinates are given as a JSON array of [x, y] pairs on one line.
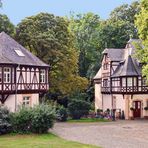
[[21, 120], [43, 117], [61, 113], [37, 119], [78, 108], [5, 125]]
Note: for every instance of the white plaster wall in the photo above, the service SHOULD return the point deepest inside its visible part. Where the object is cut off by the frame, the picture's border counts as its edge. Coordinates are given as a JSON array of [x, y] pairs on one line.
[[98, 97], [120, 102], [10, 102], [107, 102]]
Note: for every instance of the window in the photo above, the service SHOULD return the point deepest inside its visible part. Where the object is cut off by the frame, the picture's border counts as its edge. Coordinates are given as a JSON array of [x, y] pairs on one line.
[[105, 66], [144, 82], [26, 101], [123, 82], [7, 75], [19, 53], [129, 81], [42, 76], [105, 81]]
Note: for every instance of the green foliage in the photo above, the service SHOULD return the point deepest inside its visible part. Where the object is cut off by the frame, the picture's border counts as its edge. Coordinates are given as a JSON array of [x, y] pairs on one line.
[[37, 119], [5, 125], [49, 38], [142, 25], [125, 12], [21, 120], [43, 117], [40, 141], [61, 113], [6, 25], [85, 30], [78, 106]]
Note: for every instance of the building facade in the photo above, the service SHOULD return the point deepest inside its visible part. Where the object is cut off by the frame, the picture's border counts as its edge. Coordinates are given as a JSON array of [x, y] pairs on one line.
[[23, 77], [119, 83]]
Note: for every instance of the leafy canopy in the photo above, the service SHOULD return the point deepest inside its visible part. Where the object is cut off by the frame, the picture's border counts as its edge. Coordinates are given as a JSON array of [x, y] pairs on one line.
[[49, 38], [142, 25]]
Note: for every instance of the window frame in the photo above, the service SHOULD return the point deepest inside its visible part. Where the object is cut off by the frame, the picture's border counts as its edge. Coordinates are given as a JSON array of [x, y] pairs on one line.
[[26, 101], [7, 75], [42, 76]]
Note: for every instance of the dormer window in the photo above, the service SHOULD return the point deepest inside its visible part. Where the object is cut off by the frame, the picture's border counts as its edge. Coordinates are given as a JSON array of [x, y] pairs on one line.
[[19, 53], [7, 75], [42, 76]]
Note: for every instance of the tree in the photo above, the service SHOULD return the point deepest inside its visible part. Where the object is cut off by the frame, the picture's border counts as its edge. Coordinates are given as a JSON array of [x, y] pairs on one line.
[[6, 25], [78, 106], [84, 28], [125, 12], [142, 25], [0, 3], [49, 38]]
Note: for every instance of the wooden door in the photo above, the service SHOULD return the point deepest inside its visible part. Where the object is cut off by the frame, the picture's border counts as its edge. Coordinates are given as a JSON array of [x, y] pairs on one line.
[[137, 109]]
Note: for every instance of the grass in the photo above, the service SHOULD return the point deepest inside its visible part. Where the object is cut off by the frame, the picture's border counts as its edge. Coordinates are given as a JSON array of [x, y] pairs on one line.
[[38, 141], [88, 120]]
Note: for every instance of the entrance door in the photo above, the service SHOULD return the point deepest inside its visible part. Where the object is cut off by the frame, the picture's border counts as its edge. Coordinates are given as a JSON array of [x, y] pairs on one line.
[[137, 109]]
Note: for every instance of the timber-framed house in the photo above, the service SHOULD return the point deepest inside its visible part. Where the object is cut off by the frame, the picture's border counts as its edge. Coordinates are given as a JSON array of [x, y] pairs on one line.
[[119, 83], [23, 76]]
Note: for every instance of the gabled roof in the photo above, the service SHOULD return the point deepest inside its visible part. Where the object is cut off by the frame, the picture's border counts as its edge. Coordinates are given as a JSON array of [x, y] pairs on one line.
[[12, 52], [129, 67], [115, 54], [98, 75]]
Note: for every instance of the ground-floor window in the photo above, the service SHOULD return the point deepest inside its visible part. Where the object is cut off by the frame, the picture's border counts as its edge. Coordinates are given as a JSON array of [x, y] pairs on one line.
[[26, 101]]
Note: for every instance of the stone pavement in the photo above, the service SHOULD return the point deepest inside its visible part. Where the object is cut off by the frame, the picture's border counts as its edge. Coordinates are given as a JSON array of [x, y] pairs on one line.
[[118, 134]]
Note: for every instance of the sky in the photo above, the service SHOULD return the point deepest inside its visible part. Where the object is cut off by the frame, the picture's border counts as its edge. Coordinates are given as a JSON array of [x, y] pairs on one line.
[[17, 10]]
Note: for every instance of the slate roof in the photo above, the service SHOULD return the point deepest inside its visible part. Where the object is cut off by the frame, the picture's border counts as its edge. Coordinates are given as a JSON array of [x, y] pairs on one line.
[[129, 67], [115, 54], [9, 55]]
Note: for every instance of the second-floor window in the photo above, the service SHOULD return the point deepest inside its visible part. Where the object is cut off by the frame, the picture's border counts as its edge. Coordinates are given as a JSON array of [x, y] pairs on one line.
[[105, 82], [42, 76], [7, 75]]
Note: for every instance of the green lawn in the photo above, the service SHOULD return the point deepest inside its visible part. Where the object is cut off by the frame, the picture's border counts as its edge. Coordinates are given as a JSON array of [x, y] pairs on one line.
[[38, 141], [87, 120]]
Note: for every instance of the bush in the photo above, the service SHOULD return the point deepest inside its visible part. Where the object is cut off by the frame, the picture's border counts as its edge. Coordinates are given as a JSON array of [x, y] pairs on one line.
[[61, 113], [5, 125], [43, 117], [37, 119], [78, 108], [21, 120]]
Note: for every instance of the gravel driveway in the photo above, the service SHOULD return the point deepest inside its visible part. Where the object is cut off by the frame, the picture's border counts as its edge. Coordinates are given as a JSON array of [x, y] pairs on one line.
[[119, 134]]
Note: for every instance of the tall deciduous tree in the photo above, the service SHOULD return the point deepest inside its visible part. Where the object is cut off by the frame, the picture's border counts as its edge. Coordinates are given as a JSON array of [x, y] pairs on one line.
[[6, 25], [49, 38], [85, 30], [142, 25]]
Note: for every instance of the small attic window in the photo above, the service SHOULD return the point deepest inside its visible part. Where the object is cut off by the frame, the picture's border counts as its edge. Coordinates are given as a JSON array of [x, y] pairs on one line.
[[19, 53]]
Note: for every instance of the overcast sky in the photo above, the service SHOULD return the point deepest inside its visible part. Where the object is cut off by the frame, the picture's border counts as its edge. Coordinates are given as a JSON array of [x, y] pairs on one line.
[[16, 10]]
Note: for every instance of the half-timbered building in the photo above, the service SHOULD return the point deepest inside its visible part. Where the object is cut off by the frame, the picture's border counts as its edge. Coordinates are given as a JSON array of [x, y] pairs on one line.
[[119, 83], [23, 76]]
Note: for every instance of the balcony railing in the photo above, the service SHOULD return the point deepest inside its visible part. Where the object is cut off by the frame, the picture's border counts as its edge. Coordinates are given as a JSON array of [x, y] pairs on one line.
[[125, 90]]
